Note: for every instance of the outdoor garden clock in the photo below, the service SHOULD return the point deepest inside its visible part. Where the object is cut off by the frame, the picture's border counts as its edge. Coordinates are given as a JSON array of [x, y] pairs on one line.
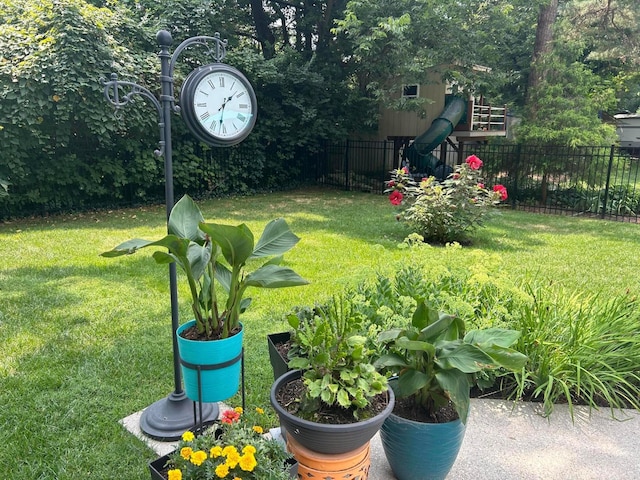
[[218, 104]]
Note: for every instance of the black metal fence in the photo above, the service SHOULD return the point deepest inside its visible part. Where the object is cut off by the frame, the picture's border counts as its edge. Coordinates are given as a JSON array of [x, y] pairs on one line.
[[594, 181]]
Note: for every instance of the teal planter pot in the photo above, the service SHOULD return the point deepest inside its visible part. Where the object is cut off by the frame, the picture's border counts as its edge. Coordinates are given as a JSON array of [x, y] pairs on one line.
[[217, 363], [421, 451]]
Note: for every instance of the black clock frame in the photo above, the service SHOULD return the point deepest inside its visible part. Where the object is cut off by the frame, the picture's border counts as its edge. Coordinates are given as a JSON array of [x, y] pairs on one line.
[[187, 108]]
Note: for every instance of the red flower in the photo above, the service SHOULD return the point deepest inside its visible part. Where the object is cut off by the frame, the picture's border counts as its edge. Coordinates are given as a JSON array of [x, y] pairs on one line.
[[474, 162], [425, 179], [396, 197], [501, 190], [230, 416], [391, 183], [405, 170], [456, 176], [481, 185]]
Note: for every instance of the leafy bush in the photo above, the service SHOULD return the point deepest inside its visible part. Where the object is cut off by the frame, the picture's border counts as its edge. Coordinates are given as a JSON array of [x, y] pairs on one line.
[[448, 211]]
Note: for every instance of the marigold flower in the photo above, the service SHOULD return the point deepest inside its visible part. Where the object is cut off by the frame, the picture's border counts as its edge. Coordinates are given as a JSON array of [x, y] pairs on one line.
[[248, 462], [249, 449], [258, 429], [216, 451], [198, 458], [501, 189], [174, 474], [186, 452], [229, 450], [233, 458], [396, 197], [188, 436], [474, 162], [260, 410], [238, 410], [222, 470]]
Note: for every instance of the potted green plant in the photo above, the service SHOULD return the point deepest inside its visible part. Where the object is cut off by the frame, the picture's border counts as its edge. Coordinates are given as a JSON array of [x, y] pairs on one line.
[[235, 448], [334, 400], [435, 360], [211, 254]]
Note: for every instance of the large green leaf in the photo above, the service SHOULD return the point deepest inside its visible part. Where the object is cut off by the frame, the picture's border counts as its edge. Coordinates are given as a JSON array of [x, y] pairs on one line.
[[276, 239], [274, 276], [236, 242], [127, 248], [184, 219], [198, 257], [492, 336], [437, 328], [416, 345], [391, 360], [507, 357], [410, 382], [466, 358], [457, 385], [424, 315]]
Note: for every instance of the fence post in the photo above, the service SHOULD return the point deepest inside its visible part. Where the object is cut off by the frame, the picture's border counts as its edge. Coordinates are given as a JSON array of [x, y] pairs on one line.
[[384, 164], [346, 166], [516, 176], [606, 187]]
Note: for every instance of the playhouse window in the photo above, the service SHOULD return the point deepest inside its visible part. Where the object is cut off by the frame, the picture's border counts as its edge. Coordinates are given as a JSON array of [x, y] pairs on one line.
[[411, 91]]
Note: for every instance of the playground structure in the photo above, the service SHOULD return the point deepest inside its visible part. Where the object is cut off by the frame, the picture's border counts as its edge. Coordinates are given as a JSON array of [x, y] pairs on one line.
[[419, 141]]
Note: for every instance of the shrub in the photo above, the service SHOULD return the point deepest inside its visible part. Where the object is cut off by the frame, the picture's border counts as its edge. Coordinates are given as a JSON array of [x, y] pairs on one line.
[[445, 211]]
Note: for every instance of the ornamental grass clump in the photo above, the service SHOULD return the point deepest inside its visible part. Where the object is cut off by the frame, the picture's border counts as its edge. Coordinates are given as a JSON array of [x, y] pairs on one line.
[[448, 211], [236, 448]]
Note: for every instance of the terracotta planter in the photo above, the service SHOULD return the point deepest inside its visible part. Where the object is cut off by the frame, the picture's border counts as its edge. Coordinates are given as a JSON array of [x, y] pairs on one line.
[[278, 363], [352, 465], [326, 438]]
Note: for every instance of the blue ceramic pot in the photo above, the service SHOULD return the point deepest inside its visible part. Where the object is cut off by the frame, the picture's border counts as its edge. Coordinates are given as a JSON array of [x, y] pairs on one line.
[[421, 451], [217, 362]]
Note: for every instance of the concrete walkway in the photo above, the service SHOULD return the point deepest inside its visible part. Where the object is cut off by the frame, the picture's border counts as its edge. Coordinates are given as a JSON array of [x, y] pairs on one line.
[[506, 441]]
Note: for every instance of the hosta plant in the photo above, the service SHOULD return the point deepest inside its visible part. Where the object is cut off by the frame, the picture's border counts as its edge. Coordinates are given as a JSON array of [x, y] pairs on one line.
[[435, 359], [211, 254], [447, 211]]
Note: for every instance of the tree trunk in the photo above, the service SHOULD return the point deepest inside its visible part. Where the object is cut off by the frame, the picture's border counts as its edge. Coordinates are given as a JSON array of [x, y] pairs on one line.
[[543, 43], [263, 33]]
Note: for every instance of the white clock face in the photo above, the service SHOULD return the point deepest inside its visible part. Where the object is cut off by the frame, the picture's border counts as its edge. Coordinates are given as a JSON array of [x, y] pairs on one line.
[[222, 105]]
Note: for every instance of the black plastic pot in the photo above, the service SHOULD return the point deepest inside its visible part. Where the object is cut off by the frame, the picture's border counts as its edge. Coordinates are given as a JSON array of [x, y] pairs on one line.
[[157, 467], [326, 438], [278, 363]]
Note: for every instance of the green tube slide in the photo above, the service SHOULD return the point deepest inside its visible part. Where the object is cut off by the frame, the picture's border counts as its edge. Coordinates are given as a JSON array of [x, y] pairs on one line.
[[419, 153]]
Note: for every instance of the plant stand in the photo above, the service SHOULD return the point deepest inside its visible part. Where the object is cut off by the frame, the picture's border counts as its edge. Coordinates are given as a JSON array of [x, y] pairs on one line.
[[352, 465], [197, 405]]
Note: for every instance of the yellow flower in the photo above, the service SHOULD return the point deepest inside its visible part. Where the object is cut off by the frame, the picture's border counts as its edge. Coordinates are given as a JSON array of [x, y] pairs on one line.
[[174, 474], [250, 449], [258, 429], [237, 478], [215, 451], [188, 436], [233, 459], [248, 462], [259, 410], [198, 457], [238, 410], [185, 452], [229, 450], [222, 470]]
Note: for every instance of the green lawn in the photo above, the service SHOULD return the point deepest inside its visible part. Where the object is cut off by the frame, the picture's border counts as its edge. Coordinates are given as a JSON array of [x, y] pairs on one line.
[[87, 341]]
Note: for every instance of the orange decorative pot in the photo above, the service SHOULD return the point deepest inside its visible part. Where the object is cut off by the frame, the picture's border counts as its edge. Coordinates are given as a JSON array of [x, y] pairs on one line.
[[312, 465]]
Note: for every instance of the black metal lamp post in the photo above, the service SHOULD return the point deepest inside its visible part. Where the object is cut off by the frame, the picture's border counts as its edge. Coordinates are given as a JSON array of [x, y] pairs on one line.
[[169, 418]]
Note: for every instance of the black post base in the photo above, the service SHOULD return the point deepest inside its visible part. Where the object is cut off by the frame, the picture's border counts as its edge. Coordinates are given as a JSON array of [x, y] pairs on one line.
[[167, 419]]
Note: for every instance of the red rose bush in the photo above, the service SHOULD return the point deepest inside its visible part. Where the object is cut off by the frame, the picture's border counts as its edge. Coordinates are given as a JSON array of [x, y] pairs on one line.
[[448, 211]]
